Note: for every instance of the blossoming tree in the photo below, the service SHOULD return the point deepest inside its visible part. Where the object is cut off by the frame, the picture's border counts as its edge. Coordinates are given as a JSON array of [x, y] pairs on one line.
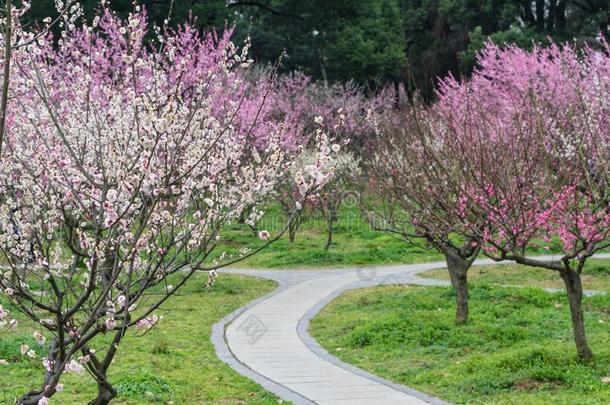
[[413, 176], [119, 171], [531, 134]]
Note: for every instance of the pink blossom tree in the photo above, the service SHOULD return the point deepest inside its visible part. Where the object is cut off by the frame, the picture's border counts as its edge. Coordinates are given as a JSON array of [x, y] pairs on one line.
[[531, 135], [413, 179], [122, 165]]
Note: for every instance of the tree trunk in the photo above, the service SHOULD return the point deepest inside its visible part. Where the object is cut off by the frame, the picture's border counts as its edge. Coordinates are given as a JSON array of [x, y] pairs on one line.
[[329, 238], [293, 227], [574, 289], [540, 11], [331, 218], [105, 393], [458, 273], [8, 29], [396, 94]]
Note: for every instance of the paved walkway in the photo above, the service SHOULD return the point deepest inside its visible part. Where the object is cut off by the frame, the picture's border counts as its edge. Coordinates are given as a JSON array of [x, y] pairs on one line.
[[268, 339]]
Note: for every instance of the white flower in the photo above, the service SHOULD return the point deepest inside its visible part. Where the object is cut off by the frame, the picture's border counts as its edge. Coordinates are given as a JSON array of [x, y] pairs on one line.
[[40, 339], [74, 367], [59, 387], [209, 202], [264, 235], [9, 291], [43, 401], [336, 148], [319, 120], [48, 364], [110, 323], [24, 349]]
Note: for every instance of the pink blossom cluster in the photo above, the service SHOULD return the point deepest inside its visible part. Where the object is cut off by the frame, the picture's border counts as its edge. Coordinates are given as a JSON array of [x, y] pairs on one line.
[[531, 130]]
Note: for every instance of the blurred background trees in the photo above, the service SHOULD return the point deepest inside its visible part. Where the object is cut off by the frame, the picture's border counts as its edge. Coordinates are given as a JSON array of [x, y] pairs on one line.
[[376, 42]]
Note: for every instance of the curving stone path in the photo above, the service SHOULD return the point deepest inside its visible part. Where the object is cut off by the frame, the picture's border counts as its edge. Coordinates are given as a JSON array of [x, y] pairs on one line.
[[267, 340]]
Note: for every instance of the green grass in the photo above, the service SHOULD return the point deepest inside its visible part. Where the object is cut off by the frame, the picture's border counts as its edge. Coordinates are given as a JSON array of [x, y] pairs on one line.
[[173, 364], [517, 348], [355, 243], [595, 276]]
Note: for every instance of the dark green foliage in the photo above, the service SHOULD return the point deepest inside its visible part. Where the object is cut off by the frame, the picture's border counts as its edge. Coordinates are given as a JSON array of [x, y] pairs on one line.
[[378, 41]]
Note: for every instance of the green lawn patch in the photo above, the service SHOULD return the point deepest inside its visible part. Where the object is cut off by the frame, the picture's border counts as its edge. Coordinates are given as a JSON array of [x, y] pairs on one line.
[[355, 243], [173, 364], [517, 348], [595, 276]]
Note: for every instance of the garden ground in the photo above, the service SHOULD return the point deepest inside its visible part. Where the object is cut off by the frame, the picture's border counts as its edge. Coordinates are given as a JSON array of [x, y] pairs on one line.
[[176, 360], [355, 243], [595, 276], [516, 349], [174, 363]]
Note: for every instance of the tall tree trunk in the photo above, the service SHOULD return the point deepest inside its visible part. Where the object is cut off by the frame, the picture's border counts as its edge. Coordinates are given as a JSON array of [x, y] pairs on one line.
[[540, 5], [396, 94], [573, 285], [560, 15], [458, 273], [550, 23]]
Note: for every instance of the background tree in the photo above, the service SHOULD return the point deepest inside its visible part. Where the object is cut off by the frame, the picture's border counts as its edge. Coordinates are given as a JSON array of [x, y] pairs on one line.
[[412, 171], [379, 41]]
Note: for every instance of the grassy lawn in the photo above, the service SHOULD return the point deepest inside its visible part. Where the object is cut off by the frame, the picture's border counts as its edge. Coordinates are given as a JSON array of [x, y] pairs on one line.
[[517, 349], [174, 364], [595, 276], [355, 243]]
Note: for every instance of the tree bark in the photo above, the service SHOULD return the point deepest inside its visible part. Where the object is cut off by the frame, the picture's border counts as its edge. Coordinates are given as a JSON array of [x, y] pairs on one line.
[[105, 393], [458, 273], [329, 238], [8, 32], [573, 285], [331, 218], [293, 227], [540, 9]]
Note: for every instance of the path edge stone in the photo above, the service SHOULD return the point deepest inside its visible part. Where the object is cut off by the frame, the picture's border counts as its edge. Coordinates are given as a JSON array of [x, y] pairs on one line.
[[314, 346], [224, 353]]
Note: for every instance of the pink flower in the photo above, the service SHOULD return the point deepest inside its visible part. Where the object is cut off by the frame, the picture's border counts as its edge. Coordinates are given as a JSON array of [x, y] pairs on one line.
[[264, 235]]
